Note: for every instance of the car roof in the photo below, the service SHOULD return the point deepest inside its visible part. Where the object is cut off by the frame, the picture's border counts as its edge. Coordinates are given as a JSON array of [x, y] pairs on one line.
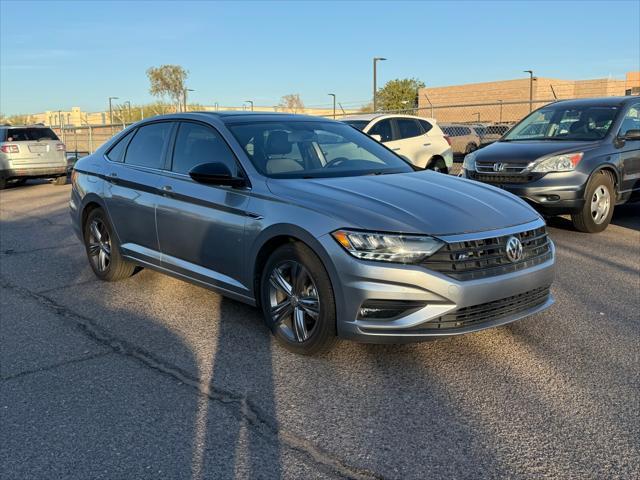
[[599, 101], [373, 116], [231, 116], [37, 125]]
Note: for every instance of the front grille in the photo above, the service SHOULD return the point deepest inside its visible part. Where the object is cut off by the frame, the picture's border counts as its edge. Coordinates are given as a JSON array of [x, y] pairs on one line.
[[485, 312], [488, 167], [473, 259], [496, 179]]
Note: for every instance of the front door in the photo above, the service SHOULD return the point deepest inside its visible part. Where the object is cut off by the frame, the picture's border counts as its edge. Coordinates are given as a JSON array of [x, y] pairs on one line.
[[630, 153]]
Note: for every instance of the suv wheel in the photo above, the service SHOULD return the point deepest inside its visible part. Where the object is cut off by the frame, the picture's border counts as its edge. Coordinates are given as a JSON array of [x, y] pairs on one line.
[[598, 207], [437, 165], [103, 249], [297, 300]]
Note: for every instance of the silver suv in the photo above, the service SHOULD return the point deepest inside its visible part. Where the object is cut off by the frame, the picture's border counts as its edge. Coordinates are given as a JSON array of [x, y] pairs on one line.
[[325, 229], [33, 151]]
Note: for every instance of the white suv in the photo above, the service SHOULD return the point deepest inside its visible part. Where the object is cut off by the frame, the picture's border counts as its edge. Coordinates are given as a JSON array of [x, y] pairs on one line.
[[416, 138]]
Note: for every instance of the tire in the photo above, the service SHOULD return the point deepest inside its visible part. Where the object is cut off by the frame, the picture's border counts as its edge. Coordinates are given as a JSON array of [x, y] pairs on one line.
[[103, 250], [317, 313], [438, 165], [598, 206], [472, 147], [3, 183], [21, 181], [60, 180]]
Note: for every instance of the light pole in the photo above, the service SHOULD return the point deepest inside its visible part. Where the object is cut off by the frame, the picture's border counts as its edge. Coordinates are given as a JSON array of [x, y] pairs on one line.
[[375, 80], [251, 102], [111, 113], [530, 72], [216, 106], [334, 104], [184, 96]]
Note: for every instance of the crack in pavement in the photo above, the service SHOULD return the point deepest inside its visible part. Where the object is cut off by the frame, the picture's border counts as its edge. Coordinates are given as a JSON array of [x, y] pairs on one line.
[[55, 366], [242, 406], [11, 251]]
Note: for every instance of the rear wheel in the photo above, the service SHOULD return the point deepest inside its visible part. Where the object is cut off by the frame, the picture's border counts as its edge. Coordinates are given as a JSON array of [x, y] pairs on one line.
[[60, 180], [103, 249], [598, 206], [437, 165], [297, 300]]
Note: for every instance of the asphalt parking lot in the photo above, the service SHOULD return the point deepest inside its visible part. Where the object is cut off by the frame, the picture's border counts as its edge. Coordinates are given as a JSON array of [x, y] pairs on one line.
[[156, 378]]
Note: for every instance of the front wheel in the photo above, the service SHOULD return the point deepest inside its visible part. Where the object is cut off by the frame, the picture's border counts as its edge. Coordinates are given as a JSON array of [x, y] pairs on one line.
[[598, 206], [437, 165], [297, 300]]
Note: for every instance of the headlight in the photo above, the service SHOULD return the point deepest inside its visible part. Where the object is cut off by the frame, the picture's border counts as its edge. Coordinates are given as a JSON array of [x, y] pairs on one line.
[[469, 162], [387, 247], [557, 163]]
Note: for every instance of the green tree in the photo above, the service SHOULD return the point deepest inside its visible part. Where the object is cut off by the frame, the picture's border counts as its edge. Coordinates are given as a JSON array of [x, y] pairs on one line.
[[399, 94], [168, 81]]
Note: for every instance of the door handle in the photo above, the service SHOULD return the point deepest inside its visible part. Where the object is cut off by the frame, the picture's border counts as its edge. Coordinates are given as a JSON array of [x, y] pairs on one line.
[[113, 175], [426, 144]]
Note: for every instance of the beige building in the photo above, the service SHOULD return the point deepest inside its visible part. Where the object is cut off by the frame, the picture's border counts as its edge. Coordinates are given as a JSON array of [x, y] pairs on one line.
[[508, 100]]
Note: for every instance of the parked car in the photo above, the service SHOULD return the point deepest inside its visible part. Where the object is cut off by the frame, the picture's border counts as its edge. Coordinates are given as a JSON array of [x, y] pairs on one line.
[[32, 151], [493, 133], [578, 157], [463, 138], [324, 228], [416, 138]]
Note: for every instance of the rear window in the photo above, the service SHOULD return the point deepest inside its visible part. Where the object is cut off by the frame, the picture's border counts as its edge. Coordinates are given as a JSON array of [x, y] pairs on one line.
[[32, 134]]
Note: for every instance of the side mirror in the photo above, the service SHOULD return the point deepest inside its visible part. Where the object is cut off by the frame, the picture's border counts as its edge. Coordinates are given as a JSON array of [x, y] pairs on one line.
[[376, 137], [215, 173], [632, 135]]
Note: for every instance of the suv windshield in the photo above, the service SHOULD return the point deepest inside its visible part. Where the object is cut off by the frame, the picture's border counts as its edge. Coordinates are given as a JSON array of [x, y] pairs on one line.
[[564, 123], [359, 124], [302, 149], [23, 134]]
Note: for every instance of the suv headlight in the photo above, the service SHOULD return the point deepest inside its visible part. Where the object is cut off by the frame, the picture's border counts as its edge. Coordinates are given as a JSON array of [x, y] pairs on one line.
[[469, 162], [387, 247], [558, 163]]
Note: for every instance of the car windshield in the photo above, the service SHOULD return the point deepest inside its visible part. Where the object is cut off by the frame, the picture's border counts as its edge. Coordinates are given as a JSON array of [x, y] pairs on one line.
[[564, 123], [359, 124], [304, 149]]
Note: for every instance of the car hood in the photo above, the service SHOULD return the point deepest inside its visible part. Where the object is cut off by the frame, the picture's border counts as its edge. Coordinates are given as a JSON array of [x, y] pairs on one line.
[[418, 202], [525, 152]]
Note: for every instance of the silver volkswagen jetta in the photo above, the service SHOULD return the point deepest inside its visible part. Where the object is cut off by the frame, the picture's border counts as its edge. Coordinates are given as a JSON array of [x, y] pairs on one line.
[[328, 231]]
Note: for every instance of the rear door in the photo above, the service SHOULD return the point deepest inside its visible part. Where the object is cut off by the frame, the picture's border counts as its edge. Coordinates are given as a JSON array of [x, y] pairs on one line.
[[134, 174], [34, 147], [630, 152], [412, 141]]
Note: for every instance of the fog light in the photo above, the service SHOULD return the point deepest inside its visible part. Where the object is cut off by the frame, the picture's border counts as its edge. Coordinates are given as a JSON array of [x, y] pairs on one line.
[[388, 309]]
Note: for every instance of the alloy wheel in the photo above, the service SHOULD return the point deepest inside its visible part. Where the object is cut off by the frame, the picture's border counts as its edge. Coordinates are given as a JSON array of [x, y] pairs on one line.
[[294, 303], [600, 204], [99, 246]]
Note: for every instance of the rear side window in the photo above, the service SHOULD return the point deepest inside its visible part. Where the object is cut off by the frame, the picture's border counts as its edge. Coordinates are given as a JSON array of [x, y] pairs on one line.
[[116, 154], [382, 128], [30, 134], [426, 126], [408, 127], [196, 144], [148, 145]]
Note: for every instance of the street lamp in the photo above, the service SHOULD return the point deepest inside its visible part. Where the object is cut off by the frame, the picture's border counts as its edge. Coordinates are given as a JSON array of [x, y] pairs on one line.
[[530, 72], [334, 104], [111, 113], [184, 96], [375, 80], [251, 102]]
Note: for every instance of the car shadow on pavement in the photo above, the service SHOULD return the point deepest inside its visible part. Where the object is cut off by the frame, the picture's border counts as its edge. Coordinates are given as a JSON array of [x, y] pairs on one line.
[[626, 215]]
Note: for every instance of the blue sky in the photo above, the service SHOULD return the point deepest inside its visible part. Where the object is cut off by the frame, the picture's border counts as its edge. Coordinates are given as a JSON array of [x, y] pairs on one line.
[[61, 54]]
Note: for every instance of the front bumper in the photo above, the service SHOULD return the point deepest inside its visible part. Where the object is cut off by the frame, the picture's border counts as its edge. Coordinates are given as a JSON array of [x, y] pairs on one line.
[[34, 172], [553, 194], [442, 296]]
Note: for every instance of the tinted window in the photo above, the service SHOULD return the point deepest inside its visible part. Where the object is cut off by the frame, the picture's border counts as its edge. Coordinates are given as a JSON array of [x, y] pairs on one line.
[[116, 154], [148, 145], [631, 120], [196, 144], [359, 124], [30, 134], [408, 127], [382, 128], [426, 126]]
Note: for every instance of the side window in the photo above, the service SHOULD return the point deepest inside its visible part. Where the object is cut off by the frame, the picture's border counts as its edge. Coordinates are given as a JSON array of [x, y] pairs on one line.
[[382, 128], [116, 153], [148, 145], [465, 131], [426, 126], [408, 127], [196, 144], [631, 120]]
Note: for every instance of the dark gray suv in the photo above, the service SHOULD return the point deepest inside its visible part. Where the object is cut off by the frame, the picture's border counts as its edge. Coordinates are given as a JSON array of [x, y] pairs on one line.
[[324, 228]]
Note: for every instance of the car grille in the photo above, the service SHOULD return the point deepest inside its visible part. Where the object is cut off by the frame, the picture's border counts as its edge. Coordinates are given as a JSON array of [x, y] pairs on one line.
[[485, 312], [473, 259], [488, 167], [496, 179]]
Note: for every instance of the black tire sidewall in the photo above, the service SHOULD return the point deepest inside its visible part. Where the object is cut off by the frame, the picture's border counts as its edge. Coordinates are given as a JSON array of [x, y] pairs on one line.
[[115, 258], [586, 222], [325, 333]]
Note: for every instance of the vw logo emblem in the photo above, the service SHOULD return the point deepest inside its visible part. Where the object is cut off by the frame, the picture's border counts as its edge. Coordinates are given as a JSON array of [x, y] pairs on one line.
[[515, 251], [498, 167]]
